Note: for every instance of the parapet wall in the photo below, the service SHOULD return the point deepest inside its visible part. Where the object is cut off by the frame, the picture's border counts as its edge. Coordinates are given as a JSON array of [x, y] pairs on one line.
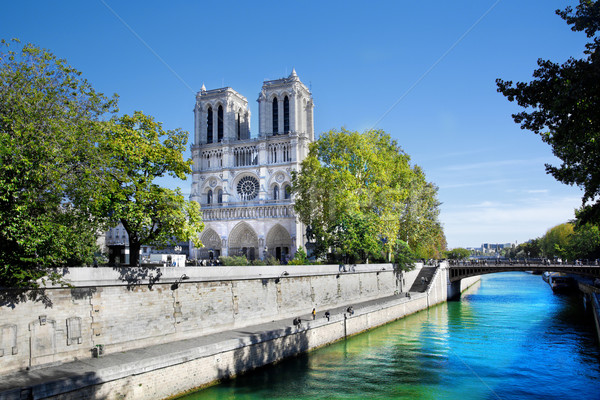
[[125, 308]]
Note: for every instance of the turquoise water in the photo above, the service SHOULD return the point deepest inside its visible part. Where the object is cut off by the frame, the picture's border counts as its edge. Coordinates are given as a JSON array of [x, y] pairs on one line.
[[510, 338]]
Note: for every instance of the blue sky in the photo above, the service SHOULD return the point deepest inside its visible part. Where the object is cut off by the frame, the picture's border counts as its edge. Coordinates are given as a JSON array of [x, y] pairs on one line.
[[422, 71]]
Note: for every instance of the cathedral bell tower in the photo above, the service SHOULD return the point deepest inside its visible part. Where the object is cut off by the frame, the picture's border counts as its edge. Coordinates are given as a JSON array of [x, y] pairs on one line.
[[221, 114], [285, 106]]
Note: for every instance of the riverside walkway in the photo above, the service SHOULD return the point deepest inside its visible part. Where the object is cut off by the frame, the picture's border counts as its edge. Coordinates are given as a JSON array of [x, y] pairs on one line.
[[86, 373]]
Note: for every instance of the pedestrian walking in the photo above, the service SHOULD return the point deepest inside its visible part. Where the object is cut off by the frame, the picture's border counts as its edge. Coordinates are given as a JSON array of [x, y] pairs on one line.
[[327, 315], [314, 314]]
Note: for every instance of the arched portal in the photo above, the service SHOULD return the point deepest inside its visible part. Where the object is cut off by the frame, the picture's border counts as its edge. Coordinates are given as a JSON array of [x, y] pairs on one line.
[[279, 243], [212, 245], [243, 241]]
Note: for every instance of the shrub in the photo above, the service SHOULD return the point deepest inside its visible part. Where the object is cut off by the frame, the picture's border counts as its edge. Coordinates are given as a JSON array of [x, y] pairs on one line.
[[234, 260]]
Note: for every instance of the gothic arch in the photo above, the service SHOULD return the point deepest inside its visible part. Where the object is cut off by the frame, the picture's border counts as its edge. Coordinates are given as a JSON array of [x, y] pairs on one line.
[[211, 242], [243, 241], [285, 93], [279, 242], [211, 239], [278, 176], [207, 183], [286, 191], [274, 191]]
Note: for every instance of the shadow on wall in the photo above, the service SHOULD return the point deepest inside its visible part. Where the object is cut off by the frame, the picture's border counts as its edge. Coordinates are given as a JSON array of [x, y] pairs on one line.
[[134, 276], [11, 297], [263, 350]]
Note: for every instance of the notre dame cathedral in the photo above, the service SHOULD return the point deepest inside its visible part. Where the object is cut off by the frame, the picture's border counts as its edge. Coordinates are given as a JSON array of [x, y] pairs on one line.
[[243, 183]]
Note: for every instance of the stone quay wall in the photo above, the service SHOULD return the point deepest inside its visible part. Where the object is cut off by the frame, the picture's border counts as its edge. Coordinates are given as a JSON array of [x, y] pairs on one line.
[[127, 308], [230, 359], [176, 372]]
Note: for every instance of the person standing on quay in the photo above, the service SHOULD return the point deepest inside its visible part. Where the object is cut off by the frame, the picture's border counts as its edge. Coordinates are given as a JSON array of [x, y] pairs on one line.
[[314, 314]]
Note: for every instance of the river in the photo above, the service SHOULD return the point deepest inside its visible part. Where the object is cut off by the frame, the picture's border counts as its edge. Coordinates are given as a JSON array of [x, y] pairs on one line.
[[509, 337]]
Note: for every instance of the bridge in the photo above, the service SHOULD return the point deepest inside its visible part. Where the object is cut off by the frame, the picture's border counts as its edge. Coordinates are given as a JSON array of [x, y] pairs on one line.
[[460, 270]]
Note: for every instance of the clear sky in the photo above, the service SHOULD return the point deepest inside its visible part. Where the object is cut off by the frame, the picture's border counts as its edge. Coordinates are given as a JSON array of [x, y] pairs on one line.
[[422, 71]]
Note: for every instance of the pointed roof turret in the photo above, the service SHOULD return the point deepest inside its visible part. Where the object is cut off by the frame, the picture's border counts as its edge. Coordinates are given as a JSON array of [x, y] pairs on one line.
[[203, 88], [293, 74]]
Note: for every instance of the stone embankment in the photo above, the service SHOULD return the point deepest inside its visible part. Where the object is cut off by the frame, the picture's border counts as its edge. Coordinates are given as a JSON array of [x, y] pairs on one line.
[[162, 334], [591, 295]]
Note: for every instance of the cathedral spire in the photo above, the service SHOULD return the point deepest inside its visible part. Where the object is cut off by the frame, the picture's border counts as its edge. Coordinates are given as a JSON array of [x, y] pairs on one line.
[[293, 74]]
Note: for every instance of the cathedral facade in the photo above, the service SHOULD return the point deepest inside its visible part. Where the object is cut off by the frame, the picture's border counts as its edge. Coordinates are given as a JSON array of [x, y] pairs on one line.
[[243, 184]]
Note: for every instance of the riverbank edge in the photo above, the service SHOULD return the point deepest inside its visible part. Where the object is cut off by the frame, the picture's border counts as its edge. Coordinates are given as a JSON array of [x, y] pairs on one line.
[[174, 369], [596, 311]]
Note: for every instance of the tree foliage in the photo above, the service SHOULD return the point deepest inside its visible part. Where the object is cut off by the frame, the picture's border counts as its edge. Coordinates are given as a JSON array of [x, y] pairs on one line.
[[49, 127], [458, 253], [359, 196], [556, 242], [585, 242], [568, 241], [137, 151], [300, 258], [561, 105], [67, 170]]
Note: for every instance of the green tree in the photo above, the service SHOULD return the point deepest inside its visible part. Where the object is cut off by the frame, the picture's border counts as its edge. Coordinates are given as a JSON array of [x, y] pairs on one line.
[[354, 194], [137, 151], [531, 248], [404, 257], [562, 104], [300, 258], [458, 253], [557, 241], [585, 242], [433, 245], [419, 224], [49, 130]]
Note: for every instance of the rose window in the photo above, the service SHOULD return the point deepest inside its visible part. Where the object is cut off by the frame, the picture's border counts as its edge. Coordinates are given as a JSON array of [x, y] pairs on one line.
[[247, 188]]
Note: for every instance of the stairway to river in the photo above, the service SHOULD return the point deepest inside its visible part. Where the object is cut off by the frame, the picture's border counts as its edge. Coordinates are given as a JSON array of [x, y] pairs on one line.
[[423, 279]]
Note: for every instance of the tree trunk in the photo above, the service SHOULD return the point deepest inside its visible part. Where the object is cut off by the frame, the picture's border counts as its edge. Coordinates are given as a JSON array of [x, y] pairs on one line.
[[134, 253]]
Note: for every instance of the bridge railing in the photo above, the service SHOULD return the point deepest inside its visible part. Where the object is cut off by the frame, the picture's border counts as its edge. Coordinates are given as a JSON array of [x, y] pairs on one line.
[[523, 261]]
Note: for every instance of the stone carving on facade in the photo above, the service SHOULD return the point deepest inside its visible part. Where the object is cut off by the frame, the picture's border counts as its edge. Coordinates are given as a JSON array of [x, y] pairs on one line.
[[243, 236], [210, 239], [278, 236]]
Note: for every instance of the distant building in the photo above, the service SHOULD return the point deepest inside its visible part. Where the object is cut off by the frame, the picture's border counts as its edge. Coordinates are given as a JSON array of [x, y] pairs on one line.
[[490, 248], [117, 244]]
